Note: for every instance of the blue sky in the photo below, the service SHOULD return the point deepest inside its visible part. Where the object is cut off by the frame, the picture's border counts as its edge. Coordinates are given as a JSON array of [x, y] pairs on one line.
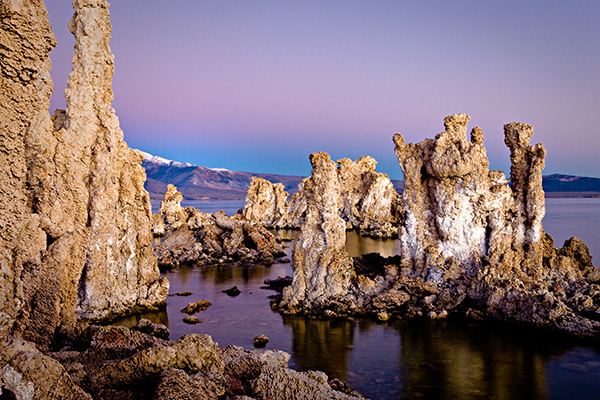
[[259, 85]]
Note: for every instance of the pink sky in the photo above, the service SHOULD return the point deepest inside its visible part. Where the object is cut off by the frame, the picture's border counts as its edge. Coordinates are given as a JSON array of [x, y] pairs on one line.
[[258, 85]]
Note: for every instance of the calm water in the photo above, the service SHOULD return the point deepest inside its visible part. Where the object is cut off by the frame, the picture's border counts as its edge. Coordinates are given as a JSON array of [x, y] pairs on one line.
[[400, 359], [229, 206]]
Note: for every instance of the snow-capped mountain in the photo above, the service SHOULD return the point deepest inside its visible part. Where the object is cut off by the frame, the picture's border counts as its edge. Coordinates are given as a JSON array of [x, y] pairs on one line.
[[199, 182]]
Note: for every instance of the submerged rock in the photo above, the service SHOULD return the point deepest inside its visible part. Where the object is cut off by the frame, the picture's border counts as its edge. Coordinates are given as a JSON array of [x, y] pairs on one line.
[[260, 341], [191, 319], [193, 237], [232, 291]]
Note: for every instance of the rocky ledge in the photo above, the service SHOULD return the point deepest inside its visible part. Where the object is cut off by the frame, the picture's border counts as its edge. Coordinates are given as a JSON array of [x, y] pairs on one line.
[[119, 363], [472, 243], [189, 236]]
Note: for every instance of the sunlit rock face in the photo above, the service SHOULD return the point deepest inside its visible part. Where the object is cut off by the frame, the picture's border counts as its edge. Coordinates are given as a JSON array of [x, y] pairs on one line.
[[472, 242], [455, 208], [75, 237], [266, 203], [368, 200], [322, 266]]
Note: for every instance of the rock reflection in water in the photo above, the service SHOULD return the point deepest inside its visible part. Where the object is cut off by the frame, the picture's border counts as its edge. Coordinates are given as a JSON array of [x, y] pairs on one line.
[[322, 345], [358, 245], [243, 274], [157, 317], [442, 360]]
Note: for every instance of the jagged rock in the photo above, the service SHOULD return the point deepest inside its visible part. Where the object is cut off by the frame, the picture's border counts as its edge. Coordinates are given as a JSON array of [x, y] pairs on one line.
[[249, 364], [277, 284], [192, 353], [194, 307], [368, 200], [194, 237], [115, 362], [471, 243], [283, 384], [29, 374], [321, 264], [157, 330], [75, 240], [232, 291], [176, 384], [266, 203]]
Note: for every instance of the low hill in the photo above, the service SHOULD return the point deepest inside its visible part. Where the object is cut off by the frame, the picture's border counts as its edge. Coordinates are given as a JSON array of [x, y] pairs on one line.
[[558, 185]]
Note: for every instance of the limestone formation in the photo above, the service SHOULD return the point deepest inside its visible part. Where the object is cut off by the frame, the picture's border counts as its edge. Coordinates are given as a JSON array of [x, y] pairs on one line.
[[322, 266], [471, 243], [75, 243], [189, 236], [75, 238], [368, 200], [266, 203]]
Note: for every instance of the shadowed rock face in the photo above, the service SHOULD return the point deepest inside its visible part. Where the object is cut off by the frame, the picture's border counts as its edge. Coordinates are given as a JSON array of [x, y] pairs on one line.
[[75, 242]]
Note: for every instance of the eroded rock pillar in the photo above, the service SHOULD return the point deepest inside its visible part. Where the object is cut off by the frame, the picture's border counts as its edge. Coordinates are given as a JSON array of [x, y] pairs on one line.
[[322, 266]]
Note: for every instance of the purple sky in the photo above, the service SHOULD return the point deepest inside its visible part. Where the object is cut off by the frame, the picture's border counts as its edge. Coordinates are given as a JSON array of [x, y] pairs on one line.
[[259, 85]]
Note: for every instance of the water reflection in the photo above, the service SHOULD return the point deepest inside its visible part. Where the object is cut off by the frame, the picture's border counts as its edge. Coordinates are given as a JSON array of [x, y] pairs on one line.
[[358, 245], [444, 361], [393, 360], [321, 345], [158, 317], [242, 274]]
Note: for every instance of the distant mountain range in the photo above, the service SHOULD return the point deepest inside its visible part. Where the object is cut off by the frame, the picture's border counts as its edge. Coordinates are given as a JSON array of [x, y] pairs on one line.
[[202, 183], [558, 185]]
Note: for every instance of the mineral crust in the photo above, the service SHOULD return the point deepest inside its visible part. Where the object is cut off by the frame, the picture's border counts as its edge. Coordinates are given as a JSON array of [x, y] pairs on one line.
[[185, 235], [472, 243], [368, 200], [75, 242]]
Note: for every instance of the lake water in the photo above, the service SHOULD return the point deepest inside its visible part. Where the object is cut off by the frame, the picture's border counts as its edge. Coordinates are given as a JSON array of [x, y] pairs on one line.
[[399, 359]]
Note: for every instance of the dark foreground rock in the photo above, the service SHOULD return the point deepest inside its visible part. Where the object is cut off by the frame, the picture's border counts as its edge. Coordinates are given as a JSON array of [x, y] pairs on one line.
[[260, 341], [119, 363], [189, 236]]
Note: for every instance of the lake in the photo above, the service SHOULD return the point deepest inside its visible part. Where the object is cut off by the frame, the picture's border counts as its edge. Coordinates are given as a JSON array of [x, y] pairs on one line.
[[398, 359]]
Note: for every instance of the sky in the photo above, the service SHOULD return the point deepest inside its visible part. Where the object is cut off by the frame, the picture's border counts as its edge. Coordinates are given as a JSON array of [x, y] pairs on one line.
[[259, 85]]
